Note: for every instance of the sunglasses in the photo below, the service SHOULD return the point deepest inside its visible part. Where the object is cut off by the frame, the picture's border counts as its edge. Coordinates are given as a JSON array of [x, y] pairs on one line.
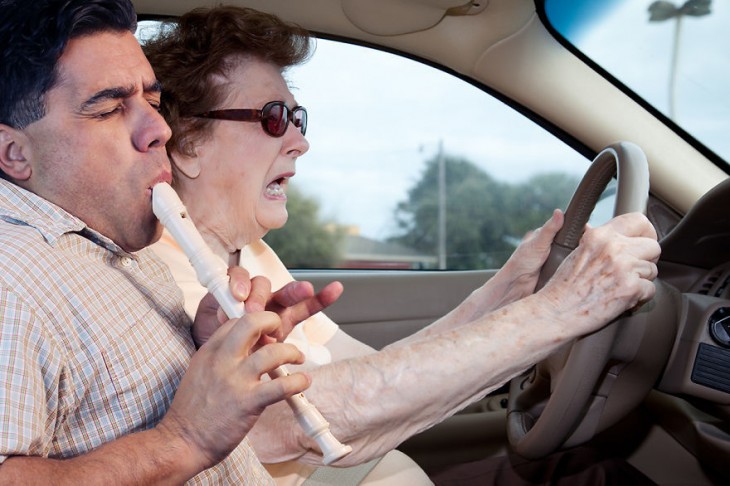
[[274, 117]]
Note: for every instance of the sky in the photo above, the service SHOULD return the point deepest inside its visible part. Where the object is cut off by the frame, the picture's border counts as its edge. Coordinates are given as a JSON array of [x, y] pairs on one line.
[[374, 118], [361, 145], [365, 155], [641, 52]]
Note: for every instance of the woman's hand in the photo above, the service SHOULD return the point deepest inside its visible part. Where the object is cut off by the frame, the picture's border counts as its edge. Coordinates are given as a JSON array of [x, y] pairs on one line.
[[294, 303], [517, 278], [523, 267], [297, 301], [611, 270]]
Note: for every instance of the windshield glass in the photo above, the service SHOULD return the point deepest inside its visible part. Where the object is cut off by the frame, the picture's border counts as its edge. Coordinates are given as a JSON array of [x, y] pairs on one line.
[[673, 55]]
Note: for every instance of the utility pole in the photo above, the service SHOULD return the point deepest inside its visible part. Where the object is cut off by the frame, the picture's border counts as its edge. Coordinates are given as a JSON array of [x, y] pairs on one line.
[[662, 10], [441, 208]]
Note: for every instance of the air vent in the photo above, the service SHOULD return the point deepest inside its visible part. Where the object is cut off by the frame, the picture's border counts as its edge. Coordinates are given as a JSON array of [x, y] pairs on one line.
[[723, 287], [712, 367], [709, 282]]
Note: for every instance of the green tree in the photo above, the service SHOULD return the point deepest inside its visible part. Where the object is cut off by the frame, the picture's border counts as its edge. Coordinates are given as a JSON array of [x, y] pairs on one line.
[[306, 241], [474, 227], [532, 202], [485, 217]]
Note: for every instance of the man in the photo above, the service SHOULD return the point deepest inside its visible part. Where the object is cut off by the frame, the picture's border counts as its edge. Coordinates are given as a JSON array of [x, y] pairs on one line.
[[100, 381]]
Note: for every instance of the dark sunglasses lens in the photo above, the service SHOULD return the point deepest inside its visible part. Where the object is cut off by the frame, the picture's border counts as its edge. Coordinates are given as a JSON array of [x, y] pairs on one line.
[[300, 120], [275, 119]]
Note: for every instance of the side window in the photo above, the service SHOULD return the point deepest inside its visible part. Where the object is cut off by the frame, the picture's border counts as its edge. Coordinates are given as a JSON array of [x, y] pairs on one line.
[[412, 168]]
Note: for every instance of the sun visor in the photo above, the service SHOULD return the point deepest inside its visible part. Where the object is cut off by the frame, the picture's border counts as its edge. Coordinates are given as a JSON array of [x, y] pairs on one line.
[[394, 17]]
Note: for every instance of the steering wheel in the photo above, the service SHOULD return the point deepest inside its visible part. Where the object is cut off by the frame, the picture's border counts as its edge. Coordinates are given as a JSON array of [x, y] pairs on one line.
[[564, 400]]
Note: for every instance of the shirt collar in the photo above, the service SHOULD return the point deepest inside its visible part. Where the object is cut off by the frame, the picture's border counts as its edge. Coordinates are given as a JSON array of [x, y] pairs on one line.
[[19, 206]]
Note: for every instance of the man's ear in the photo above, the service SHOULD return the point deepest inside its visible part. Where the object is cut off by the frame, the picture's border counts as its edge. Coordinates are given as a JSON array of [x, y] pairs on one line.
[[189, 165], [13, 148]]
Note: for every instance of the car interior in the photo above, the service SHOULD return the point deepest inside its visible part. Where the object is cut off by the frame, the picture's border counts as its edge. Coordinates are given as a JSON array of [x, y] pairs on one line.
[[653, 386]]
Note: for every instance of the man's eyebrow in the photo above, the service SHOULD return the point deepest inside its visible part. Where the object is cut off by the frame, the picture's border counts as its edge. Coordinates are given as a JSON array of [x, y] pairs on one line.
[[119, 93], [153, 87]]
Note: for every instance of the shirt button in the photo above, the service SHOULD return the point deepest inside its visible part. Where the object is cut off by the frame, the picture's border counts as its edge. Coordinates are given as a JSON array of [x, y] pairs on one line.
[[126, 262]]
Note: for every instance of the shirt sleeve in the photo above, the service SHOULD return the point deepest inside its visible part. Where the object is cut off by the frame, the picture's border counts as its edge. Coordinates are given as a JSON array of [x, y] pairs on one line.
[[31, 373]]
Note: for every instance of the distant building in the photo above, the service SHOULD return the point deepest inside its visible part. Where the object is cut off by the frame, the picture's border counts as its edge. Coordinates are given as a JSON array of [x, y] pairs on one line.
[[362, 252]]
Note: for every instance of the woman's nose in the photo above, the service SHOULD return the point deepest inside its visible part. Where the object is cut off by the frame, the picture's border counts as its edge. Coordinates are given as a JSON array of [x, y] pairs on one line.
[[296, 144]]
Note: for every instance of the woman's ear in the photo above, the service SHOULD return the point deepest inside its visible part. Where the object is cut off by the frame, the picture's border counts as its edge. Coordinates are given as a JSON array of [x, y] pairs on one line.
[[13, 158], [189, 165]]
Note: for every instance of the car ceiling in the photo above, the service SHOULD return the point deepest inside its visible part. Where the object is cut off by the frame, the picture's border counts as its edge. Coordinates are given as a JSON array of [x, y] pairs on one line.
[[533, 69]]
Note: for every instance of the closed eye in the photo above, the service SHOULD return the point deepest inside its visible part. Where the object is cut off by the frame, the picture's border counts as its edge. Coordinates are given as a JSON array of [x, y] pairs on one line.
[[107, 114], [155, 104]]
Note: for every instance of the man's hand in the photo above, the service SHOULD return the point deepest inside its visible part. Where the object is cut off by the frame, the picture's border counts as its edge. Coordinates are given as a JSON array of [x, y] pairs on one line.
[[222, 395]]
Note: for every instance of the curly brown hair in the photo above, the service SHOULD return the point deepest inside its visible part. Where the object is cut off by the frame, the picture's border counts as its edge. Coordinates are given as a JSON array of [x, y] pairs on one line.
[[189, 53]]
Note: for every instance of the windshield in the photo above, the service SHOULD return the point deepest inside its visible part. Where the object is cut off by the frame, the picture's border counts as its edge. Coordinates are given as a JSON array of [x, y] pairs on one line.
[[673, 55]]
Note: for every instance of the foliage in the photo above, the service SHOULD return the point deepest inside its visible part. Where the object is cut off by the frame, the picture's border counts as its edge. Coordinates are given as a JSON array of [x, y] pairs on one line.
[[306, 241], [485, 218]]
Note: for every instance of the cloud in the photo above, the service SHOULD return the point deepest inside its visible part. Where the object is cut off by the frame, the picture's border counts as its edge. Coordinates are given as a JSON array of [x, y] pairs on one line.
[[374, 120], [375, 117]]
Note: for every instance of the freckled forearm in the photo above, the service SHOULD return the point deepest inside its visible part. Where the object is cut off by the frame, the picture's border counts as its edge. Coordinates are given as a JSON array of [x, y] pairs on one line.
[[375, 402]]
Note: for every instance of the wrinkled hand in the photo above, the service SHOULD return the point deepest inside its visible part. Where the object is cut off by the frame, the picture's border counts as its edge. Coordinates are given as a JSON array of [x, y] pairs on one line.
[[294, 303], [515, 280], [524, 265], [221, 395], [610, 271], [297, 301]]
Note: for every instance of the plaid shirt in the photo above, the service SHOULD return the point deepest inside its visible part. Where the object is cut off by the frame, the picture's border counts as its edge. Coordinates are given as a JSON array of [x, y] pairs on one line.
[[93, 340]]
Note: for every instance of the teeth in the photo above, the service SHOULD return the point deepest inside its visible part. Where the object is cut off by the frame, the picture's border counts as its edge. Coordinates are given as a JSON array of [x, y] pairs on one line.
[[274, 189]]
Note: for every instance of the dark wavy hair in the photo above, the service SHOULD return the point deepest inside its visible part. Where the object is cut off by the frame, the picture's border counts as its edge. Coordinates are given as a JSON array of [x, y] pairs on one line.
[[204, 43], [33, 36]]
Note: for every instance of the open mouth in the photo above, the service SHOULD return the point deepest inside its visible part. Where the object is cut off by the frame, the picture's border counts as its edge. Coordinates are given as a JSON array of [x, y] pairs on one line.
[[277, 188]]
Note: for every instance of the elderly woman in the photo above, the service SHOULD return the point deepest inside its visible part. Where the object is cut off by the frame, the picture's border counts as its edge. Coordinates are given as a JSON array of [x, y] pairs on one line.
[[237, 132]]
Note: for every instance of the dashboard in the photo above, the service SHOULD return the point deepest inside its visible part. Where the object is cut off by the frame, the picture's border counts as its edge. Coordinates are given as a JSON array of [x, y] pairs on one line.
[[696, 261]]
